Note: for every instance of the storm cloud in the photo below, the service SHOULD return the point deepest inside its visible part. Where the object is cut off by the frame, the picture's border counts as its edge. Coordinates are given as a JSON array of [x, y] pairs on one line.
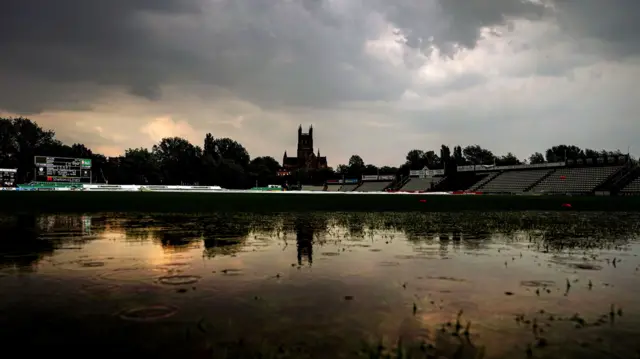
[[436, 71]]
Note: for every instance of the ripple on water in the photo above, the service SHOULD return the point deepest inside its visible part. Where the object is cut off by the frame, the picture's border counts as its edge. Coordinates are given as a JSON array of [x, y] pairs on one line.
[[80, 264], [150, 313], [537, 283], [100, 288], [231, 271], [389, 264], [405, 256], [90, 263], [129, 274], [330, 254], [449, 279], [179, 279], [173, 266], [585, 266]]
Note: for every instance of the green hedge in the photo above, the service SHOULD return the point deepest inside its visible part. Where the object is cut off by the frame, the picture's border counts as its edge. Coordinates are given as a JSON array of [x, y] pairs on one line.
[[74, 202]]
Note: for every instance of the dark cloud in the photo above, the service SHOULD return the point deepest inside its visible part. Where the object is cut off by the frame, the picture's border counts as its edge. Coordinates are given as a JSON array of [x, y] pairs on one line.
[[448, 24], [616, 23], [64, 53]]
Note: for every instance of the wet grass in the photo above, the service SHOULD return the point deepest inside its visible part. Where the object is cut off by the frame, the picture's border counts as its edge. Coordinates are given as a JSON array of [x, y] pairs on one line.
[[59, 202]]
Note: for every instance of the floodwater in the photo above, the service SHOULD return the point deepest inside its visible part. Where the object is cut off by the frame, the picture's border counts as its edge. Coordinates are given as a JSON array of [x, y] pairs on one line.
[[437, 285]]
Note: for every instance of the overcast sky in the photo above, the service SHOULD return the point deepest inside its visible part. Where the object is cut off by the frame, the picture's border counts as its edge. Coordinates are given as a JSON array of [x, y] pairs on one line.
[[375, 77]]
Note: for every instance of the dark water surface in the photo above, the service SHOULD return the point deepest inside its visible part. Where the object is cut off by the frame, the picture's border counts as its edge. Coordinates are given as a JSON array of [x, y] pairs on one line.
[[493, 285]]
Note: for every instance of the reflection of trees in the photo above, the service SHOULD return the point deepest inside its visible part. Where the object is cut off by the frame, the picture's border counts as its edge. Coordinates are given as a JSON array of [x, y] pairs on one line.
[[355, 223], [220, 233], [472, 231], [469, 231], [225, 234], [19, 243], [176, 240], [26, 239]]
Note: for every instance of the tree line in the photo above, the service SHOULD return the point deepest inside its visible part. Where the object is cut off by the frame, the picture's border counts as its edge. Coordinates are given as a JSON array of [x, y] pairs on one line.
[[226, 163]]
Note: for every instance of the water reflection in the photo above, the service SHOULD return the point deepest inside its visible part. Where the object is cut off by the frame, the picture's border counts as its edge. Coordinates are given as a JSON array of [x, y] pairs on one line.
[[304, 240], [458, 285]]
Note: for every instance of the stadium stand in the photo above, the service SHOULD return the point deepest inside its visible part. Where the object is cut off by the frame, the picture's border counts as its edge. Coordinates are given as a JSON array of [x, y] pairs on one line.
[[421, 184], [483, 180], [459, 181], [349, 187], [575, 180], [373, 186], [333, 188], [632, 187], [513, 181]]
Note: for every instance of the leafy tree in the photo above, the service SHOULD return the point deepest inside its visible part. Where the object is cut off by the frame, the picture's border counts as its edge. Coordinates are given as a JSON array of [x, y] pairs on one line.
[[29, 140], [478, 156], [563, 152], [231, 150], [536, 158], [445, 153], [458, 156], [387, 170], [139, 165], [209, 147], [264, 169], [370, 170], [356, 161], [226, 163], [431, 160], [177, 158], [342, 169], [415, 159], [508, 160]]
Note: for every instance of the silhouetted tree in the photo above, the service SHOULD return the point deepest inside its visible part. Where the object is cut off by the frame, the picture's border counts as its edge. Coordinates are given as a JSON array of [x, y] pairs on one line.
[[445, 153], [225, 162], [508, 160], [478, 156], [536, 158], [178, 160], [415, 159], [563, 153], [458, 156], [232, 151], [263, 170]]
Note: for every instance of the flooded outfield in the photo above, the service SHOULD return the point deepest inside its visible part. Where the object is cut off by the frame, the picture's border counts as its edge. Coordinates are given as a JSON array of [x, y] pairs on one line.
[[492, 285]]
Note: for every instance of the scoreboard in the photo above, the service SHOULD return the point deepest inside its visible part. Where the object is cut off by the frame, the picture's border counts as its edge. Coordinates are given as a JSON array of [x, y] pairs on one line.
[[8, 177], [62, 169]]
